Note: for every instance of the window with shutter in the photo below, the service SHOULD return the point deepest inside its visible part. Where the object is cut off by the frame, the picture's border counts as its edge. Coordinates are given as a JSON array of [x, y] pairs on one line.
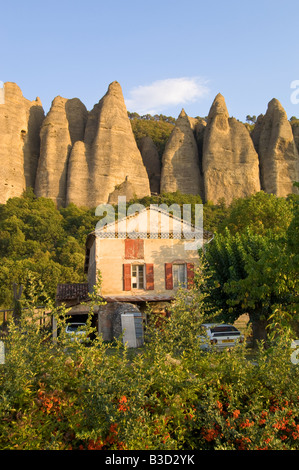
[[179, 275], [137, 276]]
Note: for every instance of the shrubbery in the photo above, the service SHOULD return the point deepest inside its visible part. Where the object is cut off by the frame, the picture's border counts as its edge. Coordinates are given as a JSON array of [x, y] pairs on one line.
[[167, 395]]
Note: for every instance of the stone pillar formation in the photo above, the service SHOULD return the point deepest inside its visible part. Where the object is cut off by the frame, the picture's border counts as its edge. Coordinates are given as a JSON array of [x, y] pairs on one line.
[[73, 155]]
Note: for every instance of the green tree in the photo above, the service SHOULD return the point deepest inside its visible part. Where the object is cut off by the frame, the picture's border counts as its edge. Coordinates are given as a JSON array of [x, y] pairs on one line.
[[250, 260], [251, 119], [36, 237], [261, 212], [214, 214], [78, 222]]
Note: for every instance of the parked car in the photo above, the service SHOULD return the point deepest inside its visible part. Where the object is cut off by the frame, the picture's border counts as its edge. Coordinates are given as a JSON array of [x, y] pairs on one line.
[[220, 336], [76, 329]]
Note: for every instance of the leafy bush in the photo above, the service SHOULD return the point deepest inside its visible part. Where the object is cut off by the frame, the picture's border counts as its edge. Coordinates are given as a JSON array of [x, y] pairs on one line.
[[167, 395]]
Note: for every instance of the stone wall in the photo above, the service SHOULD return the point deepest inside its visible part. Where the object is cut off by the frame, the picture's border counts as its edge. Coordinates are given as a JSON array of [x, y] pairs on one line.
[[109, 323]]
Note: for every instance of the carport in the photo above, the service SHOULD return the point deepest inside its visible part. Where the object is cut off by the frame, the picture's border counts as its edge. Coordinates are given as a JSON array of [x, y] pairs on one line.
[[72, 296]]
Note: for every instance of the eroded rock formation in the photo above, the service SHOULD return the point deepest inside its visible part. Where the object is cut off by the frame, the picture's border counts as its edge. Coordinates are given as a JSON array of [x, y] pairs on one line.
[[295, 130], [91, 157], [126, 188], [62, 127], [229, 162], [151, 160], [20, 122], [180, 161], [275, 143], [109, 154]]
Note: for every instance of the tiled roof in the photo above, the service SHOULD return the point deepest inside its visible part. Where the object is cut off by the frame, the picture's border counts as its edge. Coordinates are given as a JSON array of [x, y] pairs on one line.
[[72, 291], [137, 298]]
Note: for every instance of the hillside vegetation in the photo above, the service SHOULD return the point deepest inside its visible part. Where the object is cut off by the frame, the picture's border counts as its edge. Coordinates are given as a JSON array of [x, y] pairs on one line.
[[158, 127]]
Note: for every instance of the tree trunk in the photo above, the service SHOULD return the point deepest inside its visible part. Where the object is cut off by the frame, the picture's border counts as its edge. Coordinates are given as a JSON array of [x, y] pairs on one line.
[[17, 308], [259, 331]]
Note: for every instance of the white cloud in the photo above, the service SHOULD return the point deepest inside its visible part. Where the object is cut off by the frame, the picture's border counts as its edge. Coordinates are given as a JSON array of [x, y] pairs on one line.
[[162, 94]]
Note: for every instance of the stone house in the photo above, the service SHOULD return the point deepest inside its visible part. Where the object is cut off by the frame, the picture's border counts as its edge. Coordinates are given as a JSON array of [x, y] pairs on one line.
[[142, 259]]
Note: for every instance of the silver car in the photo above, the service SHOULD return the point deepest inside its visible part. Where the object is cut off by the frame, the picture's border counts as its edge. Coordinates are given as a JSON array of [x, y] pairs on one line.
[[76, 329], [221, 336]]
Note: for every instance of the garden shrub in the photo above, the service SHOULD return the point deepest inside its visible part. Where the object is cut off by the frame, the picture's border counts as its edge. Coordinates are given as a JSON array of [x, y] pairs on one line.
[[58, 395]]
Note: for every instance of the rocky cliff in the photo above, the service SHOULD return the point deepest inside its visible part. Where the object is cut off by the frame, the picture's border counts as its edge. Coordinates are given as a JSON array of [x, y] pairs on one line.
[[20, 123], [180, 161], [63, 126], [151, 160], [109, 155], [278, 154], [295, 130], [91, 157], [229, 160]]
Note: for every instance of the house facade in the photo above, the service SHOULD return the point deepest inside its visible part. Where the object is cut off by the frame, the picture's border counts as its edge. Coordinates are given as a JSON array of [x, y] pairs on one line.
[[144, 257], [141, 259]]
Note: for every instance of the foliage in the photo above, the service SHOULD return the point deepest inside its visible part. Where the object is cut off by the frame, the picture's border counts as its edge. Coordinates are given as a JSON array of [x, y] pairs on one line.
[[253, 262], [247, 274], [168, 395], [37, 237], [262, 213], [159, 129], [214, 214], [149, 117], [292, 257], [78, 221], [294, 121], [251, 119]]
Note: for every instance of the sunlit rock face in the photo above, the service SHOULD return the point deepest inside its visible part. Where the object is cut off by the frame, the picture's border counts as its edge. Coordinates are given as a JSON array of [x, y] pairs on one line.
[[276, 146], [180, 161], [230, 162], [108, 155], [20, 123]]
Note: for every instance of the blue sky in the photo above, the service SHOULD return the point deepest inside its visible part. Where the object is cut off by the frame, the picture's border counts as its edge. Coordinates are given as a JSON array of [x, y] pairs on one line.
[[166, 54]]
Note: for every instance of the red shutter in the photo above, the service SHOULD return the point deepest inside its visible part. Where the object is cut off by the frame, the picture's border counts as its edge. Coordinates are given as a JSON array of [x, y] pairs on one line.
[[134, 249], [127, 276], [190, 275], [168, 276], [149, 273]]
